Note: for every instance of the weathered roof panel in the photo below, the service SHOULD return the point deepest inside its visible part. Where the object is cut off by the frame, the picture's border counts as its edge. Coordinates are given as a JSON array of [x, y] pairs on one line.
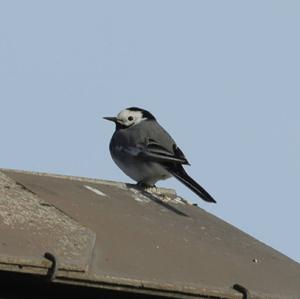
[[30, 226], [117, 236]]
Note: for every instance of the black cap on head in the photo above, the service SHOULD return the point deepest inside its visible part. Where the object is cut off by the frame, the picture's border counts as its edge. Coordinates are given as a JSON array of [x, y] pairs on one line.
[[146, 113]]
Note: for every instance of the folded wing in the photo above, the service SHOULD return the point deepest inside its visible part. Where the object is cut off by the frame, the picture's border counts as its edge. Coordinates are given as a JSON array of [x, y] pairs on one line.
[[153, 151]]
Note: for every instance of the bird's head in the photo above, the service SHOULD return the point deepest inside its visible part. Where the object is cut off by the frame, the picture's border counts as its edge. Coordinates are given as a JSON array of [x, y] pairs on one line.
[[130, 117]]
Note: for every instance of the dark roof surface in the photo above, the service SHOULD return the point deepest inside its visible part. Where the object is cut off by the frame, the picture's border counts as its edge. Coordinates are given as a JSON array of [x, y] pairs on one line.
[[112, 235]]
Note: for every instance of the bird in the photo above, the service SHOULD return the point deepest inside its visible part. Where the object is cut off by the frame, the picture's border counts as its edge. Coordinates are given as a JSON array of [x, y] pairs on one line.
[[147, 153]]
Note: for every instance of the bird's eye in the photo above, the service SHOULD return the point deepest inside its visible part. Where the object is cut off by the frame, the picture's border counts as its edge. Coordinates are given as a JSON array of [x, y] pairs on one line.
[[130, 118]]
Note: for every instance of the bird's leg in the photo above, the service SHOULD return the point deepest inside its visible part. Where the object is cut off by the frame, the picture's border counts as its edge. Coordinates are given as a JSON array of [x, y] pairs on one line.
[[141, 184], [147, 187]]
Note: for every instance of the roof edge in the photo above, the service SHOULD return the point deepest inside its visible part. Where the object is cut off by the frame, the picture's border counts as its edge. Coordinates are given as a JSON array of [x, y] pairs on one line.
[[87, 179]]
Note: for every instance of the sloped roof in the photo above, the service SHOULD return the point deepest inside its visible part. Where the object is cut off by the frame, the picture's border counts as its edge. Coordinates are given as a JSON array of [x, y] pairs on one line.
[[113, 235]]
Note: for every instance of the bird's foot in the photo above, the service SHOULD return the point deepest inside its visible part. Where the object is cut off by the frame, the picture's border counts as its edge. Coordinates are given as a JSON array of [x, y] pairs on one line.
[[147, 187], [144, 185]]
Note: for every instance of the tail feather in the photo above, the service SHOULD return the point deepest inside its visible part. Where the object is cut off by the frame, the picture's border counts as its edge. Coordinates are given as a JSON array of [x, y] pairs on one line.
[[179, 173]]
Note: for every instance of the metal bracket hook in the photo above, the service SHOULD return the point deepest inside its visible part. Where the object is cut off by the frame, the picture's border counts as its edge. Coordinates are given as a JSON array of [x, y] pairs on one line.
[[54, 267], [243, 290]]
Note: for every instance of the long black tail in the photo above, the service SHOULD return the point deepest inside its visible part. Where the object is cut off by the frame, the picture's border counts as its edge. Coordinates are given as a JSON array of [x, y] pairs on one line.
[[179, 173]]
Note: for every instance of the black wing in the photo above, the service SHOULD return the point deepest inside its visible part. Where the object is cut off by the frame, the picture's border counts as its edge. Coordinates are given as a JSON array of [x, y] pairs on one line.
[[154, 151]]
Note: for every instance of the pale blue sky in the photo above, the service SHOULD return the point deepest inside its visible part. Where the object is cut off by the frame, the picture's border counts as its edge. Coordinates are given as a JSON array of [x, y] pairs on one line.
[[221, 76]]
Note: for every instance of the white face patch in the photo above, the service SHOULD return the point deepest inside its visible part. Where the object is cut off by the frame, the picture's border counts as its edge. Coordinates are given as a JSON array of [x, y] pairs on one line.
[[129, 118]]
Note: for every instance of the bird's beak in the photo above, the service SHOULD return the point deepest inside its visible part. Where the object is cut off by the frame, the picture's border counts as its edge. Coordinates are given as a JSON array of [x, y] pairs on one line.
[[114, 119]]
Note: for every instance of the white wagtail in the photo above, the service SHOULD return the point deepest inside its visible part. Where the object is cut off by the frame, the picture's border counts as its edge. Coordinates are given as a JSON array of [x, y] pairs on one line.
[[147, 153]]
